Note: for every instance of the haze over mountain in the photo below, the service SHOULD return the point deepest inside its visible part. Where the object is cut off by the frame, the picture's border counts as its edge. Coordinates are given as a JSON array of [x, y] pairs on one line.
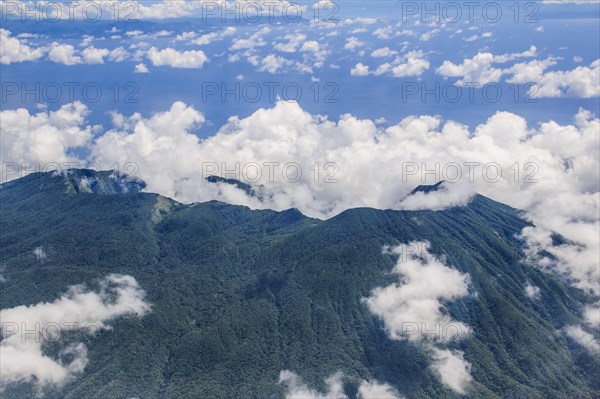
[[210, 300]]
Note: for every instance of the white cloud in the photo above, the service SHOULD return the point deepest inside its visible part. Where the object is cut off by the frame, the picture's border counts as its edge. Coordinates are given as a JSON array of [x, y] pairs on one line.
[[411, 64], [581, 82], [39, 253], [297, 389], [360, 70], [480, 69], [310, 46], [591, 314], [79, 309], [93, 55], [118, 54], [14, 50], [532, 291], [376, 390], [415, 305], [141, 68], [425, 37], [294, 41], [210, 37], [43, 137], [382, 52], [63, 54], [177, 59], [353, 43], [583, 338], [272, 63], [254, 40], [557, 164], [454, 371]]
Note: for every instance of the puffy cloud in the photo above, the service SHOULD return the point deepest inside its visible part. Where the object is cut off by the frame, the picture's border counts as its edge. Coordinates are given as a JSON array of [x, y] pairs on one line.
[[353, 43], [254, 40], [39, 253], [118, 54], [454, 371], [43, 137], [382, 52], [294, 41], [591, 315], [411, 64], [210, 37], [141, 68], [63, 54], [377, 390], [412, 309], [581, 82], [360, 70], [79, 309], [415, 305], [550, 170], [425, 37], [272, 63], [310, 46], [583, 338], [532, 291], [480, 68], [177, 59], [93, 55], [14, 50], [297, 389]]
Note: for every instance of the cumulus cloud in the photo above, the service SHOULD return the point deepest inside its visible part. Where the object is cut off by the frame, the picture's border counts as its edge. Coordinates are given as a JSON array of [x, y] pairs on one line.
[[581, 82], [591, 315], [193, 59], [210, 37], [44, 137], [14, 50], [377, 390], [415, 304], [63, 54], [79, 309], [480, 69], [583, 338], [382, 52], [294, 41], [256, 39], [297, 389], [550, 170], [141, 68], [273, 63], [412, 309], [93, 55], [353, 43], [454, 371], [532, 291], [39, 253], [360, 69], [118, 54]]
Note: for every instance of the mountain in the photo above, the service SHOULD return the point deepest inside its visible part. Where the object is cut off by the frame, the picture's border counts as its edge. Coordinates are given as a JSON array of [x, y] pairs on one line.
[[238, 295]]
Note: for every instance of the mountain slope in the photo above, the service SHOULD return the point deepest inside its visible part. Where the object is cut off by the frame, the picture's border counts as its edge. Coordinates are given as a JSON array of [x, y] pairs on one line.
[[239, 295]]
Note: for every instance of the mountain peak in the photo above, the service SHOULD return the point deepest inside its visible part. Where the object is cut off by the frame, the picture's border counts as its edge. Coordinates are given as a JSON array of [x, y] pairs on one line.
[[428, 188], [101, 182]]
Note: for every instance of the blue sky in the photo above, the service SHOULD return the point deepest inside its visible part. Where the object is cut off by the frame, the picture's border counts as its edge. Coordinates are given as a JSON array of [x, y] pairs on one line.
[[553, 29]]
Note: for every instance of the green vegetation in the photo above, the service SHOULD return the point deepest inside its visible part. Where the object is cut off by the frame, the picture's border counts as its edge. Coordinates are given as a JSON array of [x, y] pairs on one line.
[[239, 295]]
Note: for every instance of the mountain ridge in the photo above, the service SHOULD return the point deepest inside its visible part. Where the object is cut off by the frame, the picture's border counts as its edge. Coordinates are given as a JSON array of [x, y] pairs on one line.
[[239, 295]]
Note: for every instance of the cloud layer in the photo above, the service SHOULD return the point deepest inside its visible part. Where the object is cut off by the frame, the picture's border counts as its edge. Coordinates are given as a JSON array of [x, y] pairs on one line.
[[323, 167]]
